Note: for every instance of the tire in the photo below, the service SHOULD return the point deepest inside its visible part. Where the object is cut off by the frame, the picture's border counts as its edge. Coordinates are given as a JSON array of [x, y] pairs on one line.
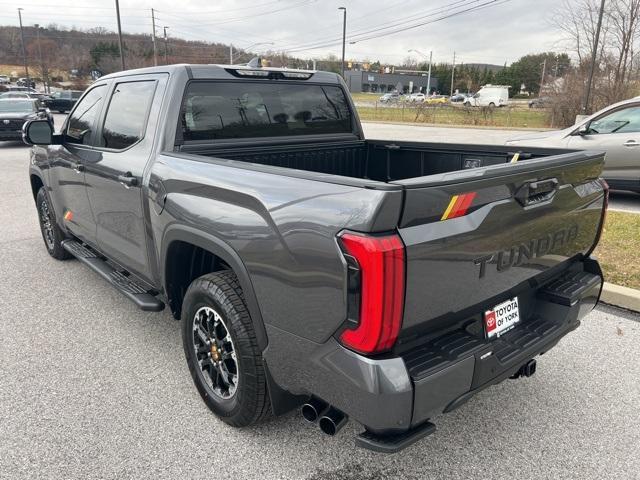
[[467, 104], [51, 232], [243, 400], [492, 105]]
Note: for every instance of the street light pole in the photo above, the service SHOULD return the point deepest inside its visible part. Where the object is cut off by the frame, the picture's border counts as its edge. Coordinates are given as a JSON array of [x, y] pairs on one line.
[[594, 57], [453, 71], [166, 61], [344, 33], [24, 50], [120, 35], [430, 61]]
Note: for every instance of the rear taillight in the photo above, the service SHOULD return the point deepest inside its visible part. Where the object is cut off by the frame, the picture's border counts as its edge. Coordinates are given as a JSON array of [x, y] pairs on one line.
[[376, 265]]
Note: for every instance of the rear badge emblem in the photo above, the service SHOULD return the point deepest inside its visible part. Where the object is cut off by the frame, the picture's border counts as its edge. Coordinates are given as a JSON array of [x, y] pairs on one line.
[[6, 122]]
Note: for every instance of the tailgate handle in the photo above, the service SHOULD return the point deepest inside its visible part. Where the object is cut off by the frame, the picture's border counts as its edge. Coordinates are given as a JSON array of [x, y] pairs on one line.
[[537, 192]]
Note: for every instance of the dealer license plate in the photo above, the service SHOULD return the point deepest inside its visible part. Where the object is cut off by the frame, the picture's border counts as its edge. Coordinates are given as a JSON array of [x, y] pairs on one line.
[[501, 318]]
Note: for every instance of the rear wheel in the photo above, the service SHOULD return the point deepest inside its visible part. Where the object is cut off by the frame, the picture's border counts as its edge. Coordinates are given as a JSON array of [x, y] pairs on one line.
[[51, 232], [492, 105], [222, 350]]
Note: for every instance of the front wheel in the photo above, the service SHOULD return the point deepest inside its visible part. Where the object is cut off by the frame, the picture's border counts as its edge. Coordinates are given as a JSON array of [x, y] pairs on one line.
[[51, 232], [222, 350]]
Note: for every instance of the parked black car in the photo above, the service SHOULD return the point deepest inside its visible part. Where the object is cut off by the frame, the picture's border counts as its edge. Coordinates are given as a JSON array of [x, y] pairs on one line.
[[14, 112], [63, 101]]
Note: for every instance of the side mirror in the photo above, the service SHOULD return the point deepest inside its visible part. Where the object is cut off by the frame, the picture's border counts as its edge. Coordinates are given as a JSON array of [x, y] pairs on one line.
[[583, 130], [37, 132]]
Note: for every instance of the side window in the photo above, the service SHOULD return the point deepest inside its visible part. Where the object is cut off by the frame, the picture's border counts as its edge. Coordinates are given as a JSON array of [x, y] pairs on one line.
[[83, 117], [126, 117], [626, 120]]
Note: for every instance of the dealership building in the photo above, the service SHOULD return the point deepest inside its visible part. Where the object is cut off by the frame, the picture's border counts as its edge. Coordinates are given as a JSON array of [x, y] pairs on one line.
[[374, 82]]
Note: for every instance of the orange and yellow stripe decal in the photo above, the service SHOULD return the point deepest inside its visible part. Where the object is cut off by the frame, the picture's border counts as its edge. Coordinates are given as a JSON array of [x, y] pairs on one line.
[[458, 205]]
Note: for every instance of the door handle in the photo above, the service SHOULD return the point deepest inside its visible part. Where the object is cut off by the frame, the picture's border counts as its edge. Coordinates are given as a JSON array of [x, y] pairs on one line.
[[78, 167], [128, 179], [631, 143]]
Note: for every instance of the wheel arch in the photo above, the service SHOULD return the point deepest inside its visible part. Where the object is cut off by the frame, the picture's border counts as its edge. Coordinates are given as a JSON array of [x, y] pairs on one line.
[[177, 237], [36, 184]]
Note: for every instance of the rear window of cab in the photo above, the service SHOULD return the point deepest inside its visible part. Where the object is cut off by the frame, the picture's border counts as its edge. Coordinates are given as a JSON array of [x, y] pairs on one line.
[[226, 110]]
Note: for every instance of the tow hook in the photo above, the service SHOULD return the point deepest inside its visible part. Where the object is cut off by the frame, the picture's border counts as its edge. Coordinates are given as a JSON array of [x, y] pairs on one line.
[[526, 370]]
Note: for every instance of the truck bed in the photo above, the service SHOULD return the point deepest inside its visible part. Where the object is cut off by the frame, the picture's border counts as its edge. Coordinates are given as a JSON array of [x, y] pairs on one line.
[[376, 160]]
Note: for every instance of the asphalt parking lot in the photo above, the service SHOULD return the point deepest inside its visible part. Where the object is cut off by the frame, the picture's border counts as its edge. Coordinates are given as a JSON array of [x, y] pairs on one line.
[[91, 387]]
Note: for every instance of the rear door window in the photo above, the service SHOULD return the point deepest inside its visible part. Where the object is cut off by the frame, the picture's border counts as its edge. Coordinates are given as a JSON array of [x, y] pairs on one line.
[[126, 117], [227, 110]]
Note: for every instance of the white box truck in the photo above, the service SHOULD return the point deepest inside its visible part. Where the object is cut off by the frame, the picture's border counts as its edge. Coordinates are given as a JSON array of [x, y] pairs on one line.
[[489, 96]]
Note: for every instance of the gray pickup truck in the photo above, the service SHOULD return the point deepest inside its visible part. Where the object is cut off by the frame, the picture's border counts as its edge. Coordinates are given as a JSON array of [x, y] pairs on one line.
[[386, 282]]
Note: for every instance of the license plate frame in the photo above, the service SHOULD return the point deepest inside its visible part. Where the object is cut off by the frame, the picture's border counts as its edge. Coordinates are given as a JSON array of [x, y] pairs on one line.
[[501, 318]]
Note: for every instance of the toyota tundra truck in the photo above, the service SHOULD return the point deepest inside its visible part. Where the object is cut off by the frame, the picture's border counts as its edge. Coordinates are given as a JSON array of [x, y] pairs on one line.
[[384, 282]]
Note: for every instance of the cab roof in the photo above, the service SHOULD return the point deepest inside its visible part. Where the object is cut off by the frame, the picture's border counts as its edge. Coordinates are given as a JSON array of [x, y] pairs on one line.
[[216, 71]]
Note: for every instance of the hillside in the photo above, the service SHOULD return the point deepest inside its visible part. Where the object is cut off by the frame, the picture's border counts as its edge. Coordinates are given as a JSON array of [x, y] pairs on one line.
[[63, 50]]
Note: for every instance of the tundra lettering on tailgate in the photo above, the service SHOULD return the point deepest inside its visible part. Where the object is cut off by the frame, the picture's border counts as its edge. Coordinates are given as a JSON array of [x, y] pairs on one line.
[[518, 254]]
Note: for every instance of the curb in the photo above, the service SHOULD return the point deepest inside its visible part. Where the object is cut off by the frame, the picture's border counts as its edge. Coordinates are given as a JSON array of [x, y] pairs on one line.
[[618, 296]]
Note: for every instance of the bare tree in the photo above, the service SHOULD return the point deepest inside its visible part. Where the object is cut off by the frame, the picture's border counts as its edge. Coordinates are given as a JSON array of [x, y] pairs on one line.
[[616, 69]]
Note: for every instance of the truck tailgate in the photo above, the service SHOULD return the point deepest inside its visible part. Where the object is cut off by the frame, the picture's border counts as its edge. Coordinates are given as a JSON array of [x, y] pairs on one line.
[[474, 237]]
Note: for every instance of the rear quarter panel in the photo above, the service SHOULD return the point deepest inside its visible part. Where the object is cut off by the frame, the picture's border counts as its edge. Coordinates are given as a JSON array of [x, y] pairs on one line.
[[283, 229]]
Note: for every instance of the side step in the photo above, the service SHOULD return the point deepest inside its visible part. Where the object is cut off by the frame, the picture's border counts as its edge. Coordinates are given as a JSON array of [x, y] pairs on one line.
[[393, 443], [138, 294]]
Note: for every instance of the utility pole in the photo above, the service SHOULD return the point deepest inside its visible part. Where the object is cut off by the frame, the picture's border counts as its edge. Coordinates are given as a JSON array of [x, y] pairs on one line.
[[153, 37], [544, 72], [594, 57], [120, 35], [230, 54], [453, 71], [24, 50], [42, 68], [555, 70], [344, 34], [166, 61]]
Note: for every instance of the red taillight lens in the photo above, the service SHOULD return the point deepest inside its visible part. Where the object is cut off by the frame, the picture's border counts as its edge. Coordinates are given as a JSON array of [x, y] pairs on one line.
[[381, 261]]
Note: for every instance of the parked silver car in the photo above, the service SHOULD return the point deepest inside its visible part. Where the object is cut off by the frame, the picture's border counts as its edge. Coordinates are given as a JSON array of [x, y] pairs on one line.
[[614, 129]]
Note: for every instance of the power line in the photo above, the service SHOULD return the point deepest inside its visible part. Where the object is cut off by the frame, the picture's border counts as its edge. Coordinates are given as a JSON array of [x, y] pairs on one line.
[[353, 34], [378, 32]]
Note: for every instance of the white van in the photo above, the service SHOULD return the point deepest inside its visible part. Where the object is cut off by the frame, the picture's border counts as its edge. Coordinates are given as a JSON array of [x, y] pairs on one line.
[[489, 96]]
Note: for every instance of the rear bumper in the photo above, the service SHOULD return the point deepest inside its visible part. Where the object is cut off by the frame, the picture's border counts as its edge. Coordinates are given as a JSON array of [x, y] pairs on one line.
[[397, 394]]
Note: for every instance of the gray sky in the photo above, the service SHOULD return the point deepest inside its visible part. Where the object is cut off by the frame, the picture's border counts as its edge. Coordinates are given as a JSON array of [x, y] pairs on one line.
[[496, 33]]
